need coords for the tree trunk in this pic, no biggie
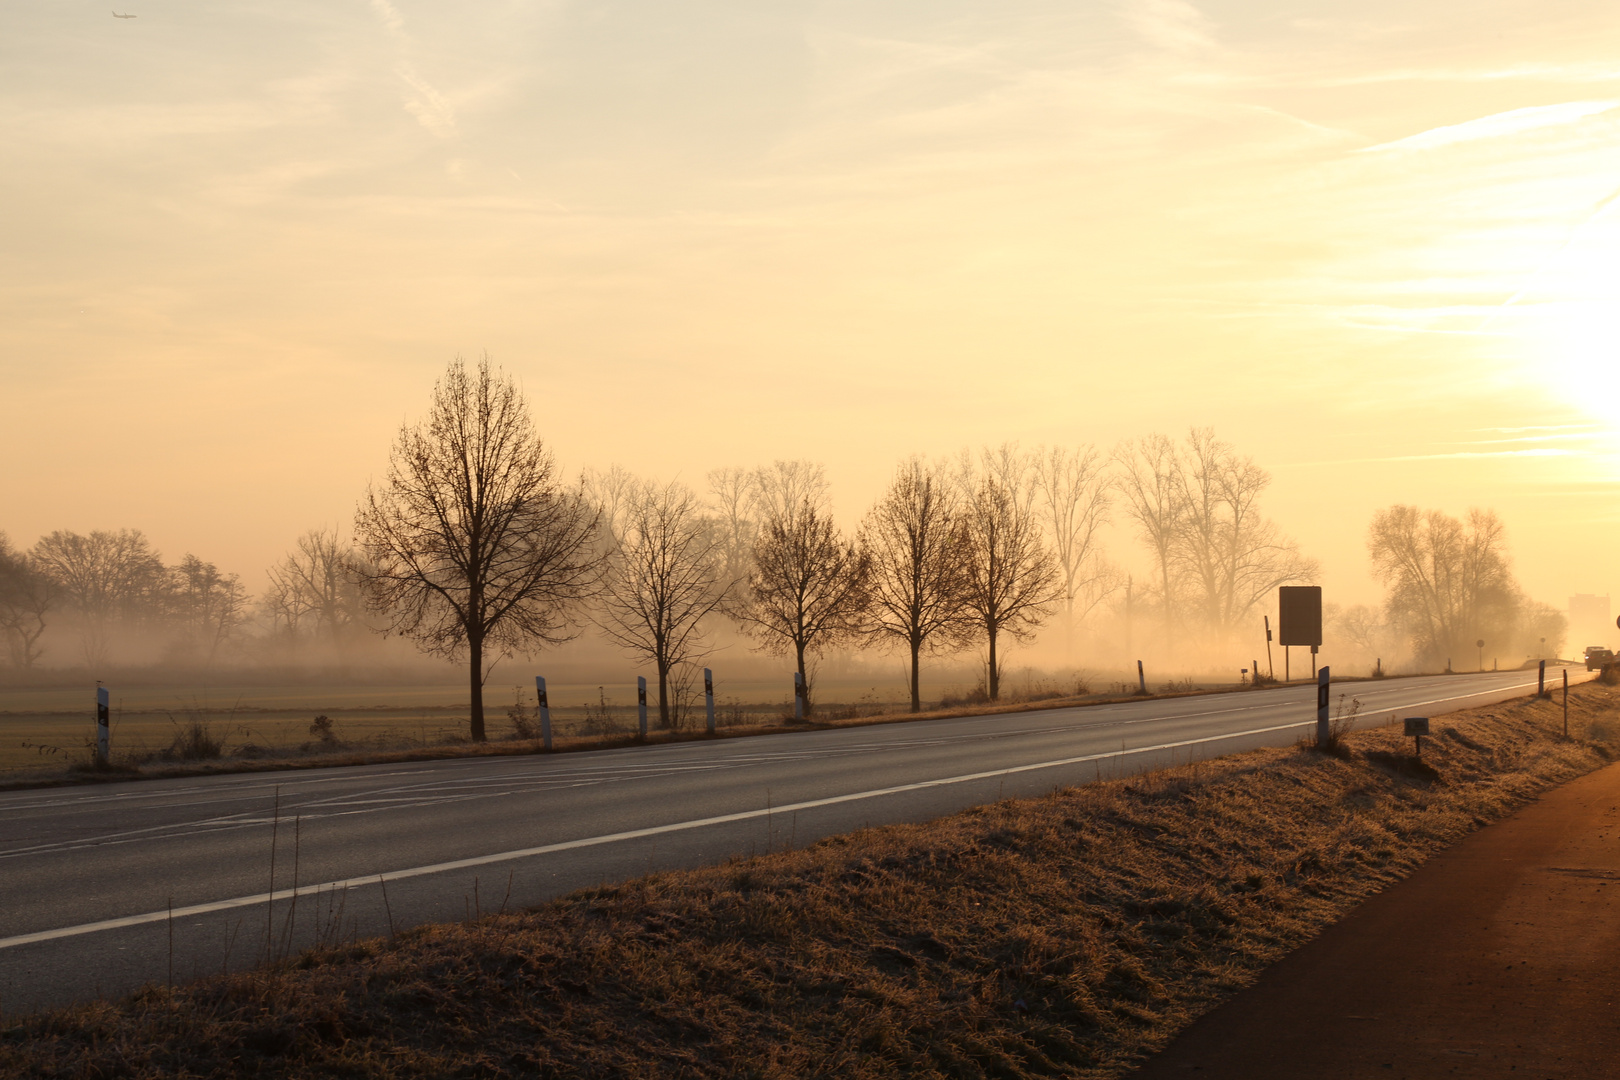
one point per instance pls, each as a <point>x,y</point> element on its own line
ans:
<point>995,672</point>
<point>663,696</point>
<point>804,679</point>
<point>916,696</point>
<point>475,657</point>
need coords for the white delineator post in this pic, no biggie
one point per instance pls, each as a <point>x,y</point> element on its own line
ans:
<point>1322,707</point>
<point>545,711</point>
<point>641,704</point>
<point>103,724</point>
<point>708,697</point>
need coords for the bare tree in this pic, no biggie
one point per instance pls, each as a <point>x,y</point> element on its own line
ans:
<point>319,582</point>
<point>1448,580</point>
<point>206,605</point>
<point>917,546</point>
<point>471,543</point>
<point>107,577</point>
<point>731,500</point>
<point>1073,488</point>
<point>780,489</point>
<point>1149,477</point>
<point>1231,557</point>
<point>808,590</point>
<point>26,597</point>
<point>608,489</point>
<point>663,578</point>
<point>1012,583</point>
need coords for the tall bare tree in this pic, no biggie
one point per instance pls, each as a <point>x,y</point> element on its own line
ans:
<point>1230,555</point>
<point>808,589</point>
<point>1449,581</point>
<point>1149,477</point>
<point>1012,582</point>
<point>26,597</point>
<point>917,545</point>
<point>664,576</point>
<point>471,543</point>
<point>1073,488</point>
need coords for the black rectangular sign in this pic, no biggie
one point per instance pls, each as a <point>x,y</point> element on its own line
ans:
<point>1299,615</point>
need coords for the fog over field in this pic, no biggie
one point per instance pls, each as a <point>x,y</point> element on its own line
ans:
<point>1196,299</point>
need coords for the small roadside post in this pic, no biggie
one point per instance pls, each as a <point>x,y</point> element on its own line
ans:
<point>1566,703</point>
<point>641,705</point>
<point>1271,668</point>
<point>708,697</point>
<point>1141,679</point>
<point>1256,664</point>
<point>545,712</point>
<point>103,724</point>
<point>1416,728</point>
<point>798,696</point>
<point>1322,731</point>
<point>1541,679</point>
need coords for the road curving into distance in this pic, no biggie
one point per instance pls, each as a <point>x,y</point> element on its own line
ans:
<point>106,888</point>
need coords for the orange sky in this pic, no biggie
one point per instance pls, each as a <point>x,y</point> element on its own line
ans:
<point>1377,246</point>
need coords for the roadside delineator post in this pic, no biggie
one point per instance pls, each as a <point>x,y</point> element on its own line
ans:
<point>708,697</point>
<point>1566,703</point>
<point>641,705</point>
<point>1141,678</point>
<point>1322,731</point>
<point>545,712</point>
<point>1541,679</point>
<point>103,724</point>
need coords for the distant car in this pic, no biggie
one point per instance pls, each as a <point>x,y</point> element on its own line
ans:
<point>1597,656</point>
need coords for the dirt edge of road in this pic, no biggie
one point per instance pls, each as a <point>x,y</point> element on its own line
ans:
<point>1074,934</point>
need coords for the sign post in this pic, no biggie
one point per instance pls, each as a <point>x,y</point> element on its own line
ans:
<point>103,725</point>
<point>1299,620</point>
<point>641,704</point>
<point>708,697</point>
<point>1416,728</point>
<point>1322,727</point>
<point>1271,668</point>
<point>545,712</point>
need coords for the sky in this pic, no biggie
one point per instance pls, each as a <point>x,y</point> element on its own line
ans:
<point>1375,246</point>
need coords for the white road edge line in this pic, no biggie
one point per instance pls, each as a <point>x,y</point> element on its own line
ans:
<point>632,834</point>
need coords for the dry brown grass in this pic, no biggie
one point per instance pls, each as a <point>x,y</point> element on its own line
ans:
<point>1067,935</point>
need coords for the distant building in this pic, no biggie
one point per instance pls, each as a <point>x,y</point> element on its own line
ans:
<point>1589,620</point>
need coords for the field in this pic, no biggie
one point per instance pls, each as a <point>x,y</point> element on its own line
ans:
<point>43,731</point>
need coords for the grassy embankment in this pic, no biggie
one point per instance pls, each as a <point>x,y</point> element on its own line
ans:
<point>1066,935</point>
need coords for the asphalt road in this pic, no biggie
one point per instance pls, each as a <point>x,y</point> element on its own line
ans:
<point>106,888</point>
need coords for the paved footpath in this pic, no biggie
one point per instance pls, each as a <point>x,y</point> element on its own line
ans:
<point>1499,957</point>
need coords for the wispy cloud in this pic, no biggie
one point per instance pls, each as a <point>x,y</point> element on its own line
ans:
<point>1174,25</point>
<point>1512,122</point>
<point>424,101</point>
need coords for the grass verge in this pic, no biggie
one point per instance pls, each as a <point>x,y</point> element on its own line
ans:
<point>1067,935</point>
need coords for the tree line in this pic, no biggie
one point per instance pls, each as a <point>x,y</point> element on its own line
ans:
<point>474,546</point>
